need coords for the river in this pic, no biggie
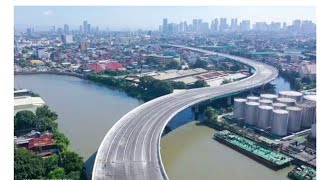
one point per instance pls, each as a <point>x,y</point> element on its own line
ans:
<point>87,111</point>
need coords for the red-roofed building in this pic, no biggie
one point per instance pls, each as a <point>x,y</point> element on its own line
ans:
<point>97,67</point>
<point>43,146</point>
<point>105,64</point>
<point>115,66</point>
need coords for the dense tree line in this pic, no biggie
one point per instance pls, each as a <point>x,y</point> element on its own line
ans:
<point>28,165</point>
<point>147,89</point>
<point>43,119</point>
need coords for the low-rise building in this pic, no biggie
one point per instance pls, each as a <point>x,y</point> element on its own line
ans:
<point>28,103</point>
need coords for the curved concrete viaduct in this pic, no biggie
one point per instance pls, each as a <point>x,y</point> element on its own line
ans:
<point>131,148</point>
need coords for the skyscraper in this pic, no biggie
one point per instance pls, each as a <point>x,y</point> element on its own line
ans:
<point>245,25</point>
<point>85,26</point>
<point>66,29</point>
<point>165,25</point>
<point>223,24</point>
<point>296,24</point>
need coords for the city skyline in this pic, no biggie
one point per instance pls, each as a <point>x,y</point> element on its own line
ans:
<point>136,18</point>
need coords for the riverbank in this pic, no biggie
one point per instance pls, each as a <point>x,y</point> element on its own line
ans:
<point>82,76</point>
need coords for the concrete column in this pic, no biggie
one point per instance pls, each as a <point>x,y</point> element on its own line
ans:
<point>196,111</point>
<point>229,100</point>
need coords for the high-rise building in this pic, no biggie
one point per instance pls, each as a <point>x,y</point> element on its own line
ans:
<point>67,38</point>
<point>245,25</point>
<point>216,24</point>
<point>260,26</point>
<point>66,29</point>
<point>194,25</point>
<point>41,53</point>
<point>85,44</point>
<point>80,29</point>
<point>85,26</point>
<point>296,24</point>
<point>308,27</point>
<point>284,25</point>
<point>223,24</point>
<point>54,29</point>
<point>88,28</point>
<point>165,25</point>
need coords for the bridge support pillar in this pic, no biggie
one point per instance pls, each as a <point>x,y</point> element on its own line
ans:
<point>229,101</point>
<point>196,111</point>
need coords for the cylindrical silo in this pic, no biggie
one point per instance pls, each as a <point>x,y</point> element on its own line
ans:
<point>294,119</point>
<point>239,108</point>
<point>291,94</point>
<point>310,99</point>
<point>308,115</point>
<point>252,99</point>
<point>279,106</point>
<point>265,102</point>
<point>313,131</point>
<point>270,97</point>
<point>279,123</point>
<point>286,101</point>
<point>251,113</point>
<point>264,119</point>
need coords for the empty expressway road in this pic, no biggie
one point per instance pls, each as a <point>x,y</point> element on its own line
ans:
<point>131,148</point>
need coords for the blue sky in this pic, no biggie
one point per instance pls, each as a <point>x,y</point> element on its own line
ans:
<point>145,17</point>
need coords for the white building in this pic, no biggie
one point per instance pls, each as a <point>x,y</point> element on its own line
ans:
<point>28,103</point>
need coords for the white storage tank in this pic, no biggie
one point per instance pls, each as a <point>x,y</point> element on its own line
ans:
<point>291,94</point>
<point>265,115</point>
<point>287,101</point>
<point>270,97</point>
<point>308,115</point>
<point>279,123</point>
<point>265,102</point>
<point>239,108</point>
<point>313,131</point>
<point>252,99</point>
<point>294,119</point>
<point>279,106</point>
<point>251,113</point>
<point>311,99</point>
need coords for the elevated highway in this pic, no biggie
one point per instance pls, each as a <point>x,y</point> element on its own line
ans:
<point>131,148</point>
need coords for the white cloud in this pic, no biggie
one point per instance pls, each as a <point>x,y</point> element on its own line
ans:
<point>47,13</point>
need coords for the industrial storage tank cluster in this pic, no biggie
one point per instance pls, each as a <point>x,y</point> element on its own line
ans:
<point>283,114</point>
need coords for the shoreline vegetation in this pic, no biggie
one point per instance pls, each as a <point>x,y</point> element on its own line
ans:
<point>146,89</point>
<point>64,164</point>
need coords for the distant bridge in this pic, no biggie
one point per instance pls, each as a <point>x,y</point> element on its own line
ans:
<point>131,148</point>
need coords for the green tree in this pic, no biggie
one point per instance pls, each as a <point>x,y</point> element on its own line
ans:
<point>75,175</point>
<point>235,67</point>
<point>199,84</point>
<point>51,163</point>
<point>178,85</point>
<point>71,161</point>
<point>44,111</point>
<point>57,173</point>
<point>226,81</point>
<point>173,65</point>
<point>27,165</point>
<point>211,114</point>
<point>200,64</point>
<point>62,141</point>
<point>25,120</point>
